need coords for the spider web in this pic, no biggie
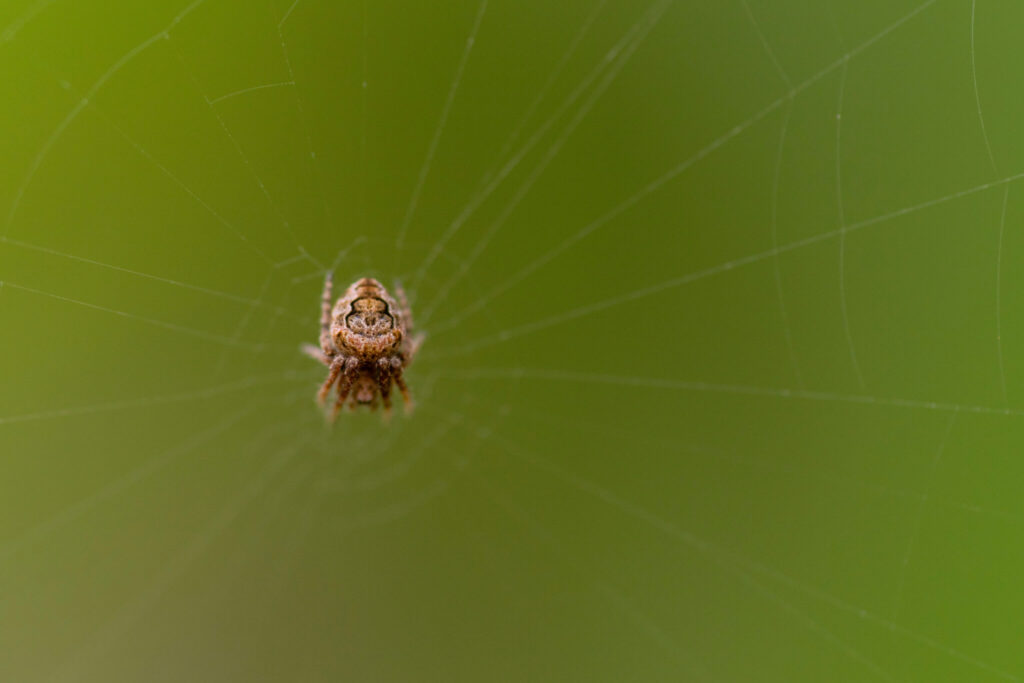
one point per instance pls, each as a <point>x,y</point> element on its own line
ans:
<point>719,380</point>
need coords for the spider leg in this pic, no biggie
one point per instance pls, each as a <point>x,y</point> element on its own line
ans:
<point>405,391</point>
<point>316,354</point>
<point>413,341</point>
<point>336,367</point>
<point>345,385</point>
<point>411,347</point>
<point>403,303</point>
<point>325,315</point>
<point>384,383</point>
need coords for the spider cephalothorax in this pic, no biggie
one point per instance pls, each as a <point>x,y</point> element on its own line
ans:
<point>365,340</point>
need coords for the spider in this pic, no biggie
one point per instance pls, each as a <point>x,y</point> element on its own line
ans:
<point>366,342</point>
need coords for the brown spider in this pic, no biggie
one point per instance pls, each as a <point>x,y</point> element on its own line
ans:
<point>366,342</point>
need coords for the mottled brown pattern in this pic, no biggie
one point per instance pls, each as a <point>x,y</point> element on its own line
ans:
<point>366,342</point>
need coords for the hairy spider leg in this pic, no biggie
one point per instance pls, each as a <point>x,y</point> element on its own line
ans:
<point>325,316</point>
<point>316,354</point>
<point>411,348</point>
<point>384,382</point>
<point>403,304</point>
<point>345,385</point>
<point>405,391</point>
<point>412,340</point>
<point>332,377</point>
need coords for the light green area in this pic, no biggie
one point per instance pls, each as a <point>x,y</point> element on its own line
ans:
<point>723,372</point>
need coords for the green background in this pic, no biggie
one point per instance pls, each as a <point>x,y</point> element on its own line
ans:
<point>722,378</point>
